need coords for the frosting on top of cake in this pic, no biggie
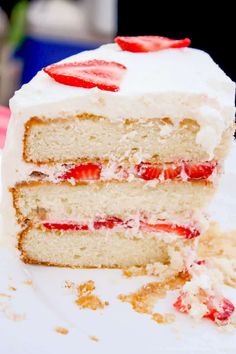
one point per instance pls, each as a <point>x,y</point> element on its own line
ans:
<point>175,83</point>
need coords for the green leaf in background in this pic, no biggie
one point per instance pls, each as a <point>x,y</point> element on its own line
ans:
<point>18,23</point>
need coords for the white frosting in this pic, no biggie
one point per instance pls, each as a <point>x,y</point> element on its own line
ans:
<point>176,83</point>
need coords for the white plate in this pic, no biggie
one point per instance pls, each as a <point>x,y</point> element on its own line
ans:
<point>47,304</point>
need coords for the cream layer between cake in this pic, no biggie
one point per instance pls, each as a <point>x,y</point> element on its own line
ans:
<point>178,84</point>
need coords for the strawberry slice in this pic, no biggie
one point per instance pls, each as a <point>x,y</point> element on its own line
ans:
<point>172,172</point>
<point>105,75</point>
<point>180,305</point>
<point>199,171</point>
<point>109,223</point>
<point>150,43</point>
<point>65,227</point>
<point>170,228</point>
<point>224,309</point>
<point>148,171</point>
<point>88,171</point>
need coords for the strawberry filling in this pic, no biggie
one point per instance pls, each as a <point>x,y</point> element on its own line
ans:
<point>112,222</point>
<point>145,170</point>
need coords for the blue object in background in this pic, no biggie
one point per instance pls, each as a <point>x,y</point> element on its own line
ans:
<point>37,53</point>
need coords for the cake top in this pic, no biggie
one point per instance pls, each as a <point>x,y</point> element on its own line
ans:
<point>175,82</point>
<point>180,71</point>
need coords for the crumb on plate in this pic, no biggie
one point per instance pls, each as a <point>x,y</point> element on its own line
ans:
<point>62,330</point>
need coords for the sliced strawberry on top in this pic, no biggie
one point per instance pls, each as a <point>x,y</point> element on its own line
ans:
<point>105,75</point>
<point>109,222</point>
<point>186,232</point>
<point>148,171</point>
<point>150,43</point>
<point>83,172</point>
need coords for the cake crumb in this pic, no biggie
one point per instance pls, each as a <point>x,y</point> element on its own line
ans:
<point>134,271</point>
<point>69,284</point>
<point>145,298</point>
<point>163,318</point>
<point>62,330</point>
<point>5,308</point>
<point>28,282</point>
<point>5,295</point>
<point>219,248</point>
<point>86,299</point>
<point>94,338</point>
<point>12,288</point>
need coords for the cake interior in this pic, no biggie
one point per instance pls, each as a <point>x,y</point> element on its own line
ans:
<point>109,248</point>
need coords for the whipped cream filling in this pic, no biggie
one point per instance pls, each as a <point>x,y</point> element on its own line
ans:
<point>175,83</point>
<point>113,171</point>
<point>137,227</point>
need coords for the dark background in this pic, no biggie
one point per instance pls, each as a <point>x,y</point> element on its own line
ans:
<point>210,25</point>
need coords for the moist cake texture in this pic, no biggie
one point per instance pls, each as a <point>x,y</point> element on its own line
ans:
<point>116,175</point>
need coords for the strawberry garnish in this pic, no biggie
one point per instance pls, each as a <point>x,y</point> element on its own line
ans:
<point>105,75</point>
<point>88,171</point>
<point>150,43</point>
<point>217,309</point>
<point>65,227</point>
<point>148,171</point>
<point>199,171</point>
<point>108,223</point>
<point>186,232</point>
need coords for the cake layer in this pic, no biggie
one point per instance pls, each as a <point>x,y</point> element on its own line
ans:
<point>96,249</point>
<point>91,138</point>
<point>86,201</point>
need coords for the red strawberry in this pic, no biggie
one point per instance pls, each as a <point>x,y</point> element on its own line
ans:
<point>201,262</point>
<point>224,310</point>
<point>172,172</point>
<point>150,43</point>
<point>148,171</point>
<point>109,223</point>
<point>171,228</point>
<point>199,171</point>
<point>88,171</point>
<point>180,305</point>
<point>65,227</point>
<point>106,75</point>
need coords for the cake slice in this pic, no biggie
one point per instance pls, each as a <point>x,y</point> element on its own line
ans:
<point>113,155</point>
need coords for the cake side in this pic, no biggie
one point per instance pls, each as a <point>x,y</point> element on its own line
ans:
<point>118,155</point>
<point>100,248</point>
<point>173,98</point>
<point>92,138</point>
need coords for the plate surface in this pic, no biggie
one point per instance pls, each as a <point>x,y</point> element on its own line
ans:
<point>29,316</point>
